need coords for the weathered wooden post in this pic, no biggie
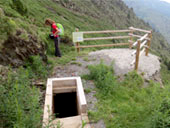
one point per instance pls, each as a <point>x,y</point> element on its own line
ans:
<point>77,43</point>
<point>137,55</point>
<point>131,37</point>
<point>148,43</point>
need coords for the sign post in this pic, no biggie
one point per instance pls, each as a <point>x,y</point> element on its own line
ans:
<point>77,37</point>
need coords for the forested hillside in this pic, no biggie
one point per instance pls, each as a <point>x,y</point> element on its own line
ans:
<point>155,12</point>
<point>27,53</point>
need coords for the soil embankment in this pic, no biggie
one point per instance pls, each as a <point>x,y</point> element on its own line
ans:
<point>16,50</point>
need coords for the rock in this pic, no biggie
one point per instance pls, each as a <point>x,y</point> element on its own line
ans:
<point>148,65</point>
<point>99,124</point>
<point>1,12</point>
<point>38,83</point>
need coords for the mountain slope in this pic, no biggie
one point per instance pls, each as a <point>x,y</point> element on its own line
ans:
<point>104,15</point>
<point>155,12</point>
<point>85,15</point>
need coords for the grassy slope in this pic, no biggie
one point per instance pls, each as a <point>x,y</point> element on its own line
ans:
<point>91,17</point>
<point>127,104</point>
<point>85,15</point>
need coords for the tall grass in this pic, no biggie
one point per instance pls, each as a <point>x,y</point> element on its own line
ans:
<point>19,98</point>
<point>19,101</point>
<point>128,104</point>
<point>37,68</point>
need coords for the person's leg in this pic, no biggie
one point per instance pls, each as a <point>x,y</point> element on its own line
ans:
<point>57,50</point>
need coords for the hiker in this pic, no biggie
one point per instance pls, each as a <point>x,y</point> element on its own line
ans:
<point>55,35</point>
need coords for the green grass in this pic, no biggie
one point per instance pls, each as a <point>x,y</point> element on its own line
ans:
<point>120,104</point>
<point>66,58</point>
<point>19,101</point>
<point>76,63</point>
<point>165,74</point>
<point>86,59</point>
<point>37,68</point>
<point>128,104</point>
<point>19,98</point>
<point>32,22</point>
<point>87,90</point>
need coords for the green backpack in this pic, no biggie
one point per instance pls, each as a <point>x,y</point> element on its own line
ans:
<point>61,29</point>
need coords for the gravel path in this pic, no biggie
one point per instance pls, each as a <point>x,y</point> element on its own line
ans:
<point>77,70</point>
<point>121,57</point>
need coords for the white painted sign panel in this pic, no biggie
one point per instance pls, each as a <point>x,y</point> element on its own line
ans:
<point>78,37</point>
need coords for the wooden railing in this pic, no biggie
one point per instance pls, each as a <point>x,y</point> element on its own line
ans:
<point>82,39</point>
<point>142,43</point>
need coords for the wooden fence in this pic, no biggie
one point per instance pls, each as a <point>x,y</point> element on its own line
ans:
<point>142,43</point>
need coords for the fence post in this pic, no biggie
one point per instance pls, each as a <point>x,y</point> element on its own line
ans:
<point>77,43</point>
<point>131,38</point>
<point>137,55</point>
<point>148,43</point>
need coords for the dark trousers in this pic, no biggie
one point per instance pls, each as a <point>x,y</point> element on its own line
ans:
<point>57,50</point>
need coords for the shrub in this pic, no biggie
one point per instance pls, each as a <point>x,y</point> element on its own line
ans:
<point>67,40</point>
<point>36,67</point>
<point>19,102</point>
<point>11,26</point>
<point>161,114</point>
<point>103,75</point>
<point>132,79</point>
<point>8,26</point>
<point>50,47</point>
<point>19,6</point>
<point>97,72</point>
<point>128,104</point>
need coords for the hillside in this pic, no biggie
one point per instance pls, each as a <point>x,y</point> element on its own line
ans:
<point>85,15</point>
<point>155,12</point>
<point>27,56</point>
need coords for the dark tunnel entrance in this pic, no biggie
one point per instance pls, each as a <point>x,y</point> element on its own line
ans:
<point>65,105</point>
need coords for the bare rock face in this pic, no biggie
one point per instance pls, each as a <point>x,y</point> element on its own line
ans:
<point>16,50</point>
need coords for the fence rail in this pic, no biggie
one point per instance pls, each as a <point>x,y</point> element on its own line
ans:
<point>107,38</point>
<point>106,31</point>
<point>140,30</point>
<point>141,48</point>
<point>142,44</point>
<point>102,45</point>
